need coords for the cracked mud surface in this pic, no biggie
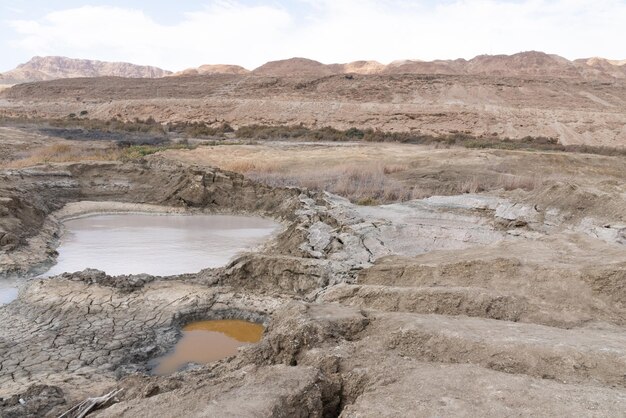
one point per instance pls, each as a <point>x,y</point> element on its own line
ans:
<point>469,305</point>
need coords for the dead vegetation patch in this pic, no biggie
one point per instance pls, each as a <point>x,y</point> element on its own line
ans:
<point>367,174</point>
<point>361,184</point>
<point>65,152</point>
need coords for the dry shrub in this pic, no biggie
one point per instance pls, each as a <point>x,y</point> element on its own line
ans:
<point>394,168</point>
<point>513,182</point>
<point>508,182</point>
<point>471,185</point>
<point>240,166</point>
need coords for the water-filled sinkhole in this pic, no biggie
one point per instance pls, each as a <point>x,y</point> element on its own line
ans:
<point>207,341</point>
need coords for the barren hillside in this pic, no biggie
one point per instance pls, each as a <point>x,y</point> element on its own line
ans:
<point>573,110</point>
<point>213,69</point>
<point>50,68</point>
<point>523,64</point>
<point>526,94</point>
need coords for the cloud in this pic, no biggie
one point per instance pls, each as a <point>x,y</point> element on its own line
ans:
<point>330,31</point>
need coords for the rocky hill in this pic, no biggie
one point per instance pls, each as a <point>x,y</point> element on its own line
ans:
<point>213,69</point>
<point>524,64</point>
<point>295,67</point>
<point>50,68</point>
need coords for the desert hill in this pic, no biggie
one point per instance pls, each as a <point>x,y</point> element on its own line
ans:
<point>358,67</point>
<point>50,68</point>
<point>213,69</point>
<point>523,64</point>
<point>531,63</point>
<point>294,67</point>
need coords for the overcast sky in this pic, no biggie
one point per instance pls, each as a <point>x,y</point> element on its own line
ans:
<point>187,33</point>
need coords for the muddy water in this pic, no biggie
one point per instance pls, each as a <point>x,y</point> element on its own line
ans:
<point>157,245</point>
<point>207,341</point>
<point>8,290</point>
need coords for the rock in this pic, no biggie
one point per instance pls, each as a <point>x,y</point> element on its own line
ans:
<point>35,402</point>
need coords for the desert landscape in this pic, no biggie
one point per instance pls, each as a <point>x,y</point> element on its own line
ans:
<point>527,94</point>
<point>299,239</point>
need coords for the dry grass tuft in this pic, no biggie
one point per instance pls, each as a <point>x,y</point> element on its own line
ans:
<point>471,185</point>
<point>508,182</point>
<point>512,182</point>
<point>245,166</point>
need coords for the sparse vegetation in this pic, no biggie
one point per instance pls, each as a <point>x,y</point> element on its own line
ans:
<point>117,125</point>
<point>219,130</point>
<point>134,152</point>
<point>263,132</point>
<point>199,129</point>
<point>374,174</point>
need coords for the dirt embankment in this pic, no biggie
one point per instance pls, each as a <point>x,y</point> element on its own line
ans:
<point>572,110</point>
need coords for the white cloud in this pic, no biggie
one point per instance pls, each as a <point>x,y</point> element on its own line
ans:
<point>332,31</point>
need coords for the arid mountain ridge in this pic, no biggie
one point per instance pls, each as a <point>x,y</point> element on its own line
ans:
<point>51,68</point>
<point>532,63</point>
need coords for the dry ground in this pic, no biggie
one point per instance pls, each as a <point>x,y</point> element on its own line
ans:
<point>372,173</point>
<point>24,148</point>
<point>501,294</point>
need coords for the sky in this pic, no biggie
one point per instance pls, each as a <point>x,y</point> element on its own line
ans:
<point>180,34</point>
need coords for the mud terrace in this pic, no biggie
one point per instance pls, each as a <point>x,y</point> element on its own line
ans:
<point>468,305</point>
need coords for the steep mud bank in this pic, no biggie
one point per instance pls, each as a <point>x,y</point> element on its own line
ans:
<point>442,293</point>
